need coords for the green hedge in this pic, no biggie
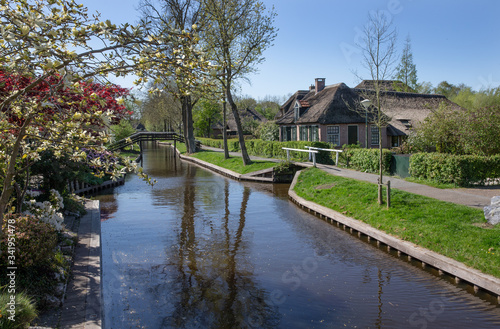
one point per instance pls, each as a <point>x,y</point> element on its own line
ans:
<point>462,170</point>
<point>232,144</point>
<point>366,160</point>
<point>270,149</point>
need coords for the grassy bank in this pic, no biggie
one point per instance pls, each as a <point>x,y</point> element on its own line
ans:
<point>233,163</point>
<point>452,230</point>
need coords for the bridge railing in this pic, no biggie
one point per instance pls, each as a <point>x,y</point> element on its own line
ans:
<point>311,152</point>
<point>143,137</point>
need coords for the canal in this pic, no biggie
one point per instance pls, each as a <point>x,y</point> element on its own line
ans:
<point>199,250</point>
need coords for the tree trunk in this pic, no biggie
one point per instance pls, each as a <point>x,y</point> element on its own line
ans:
<point>187,120</point>
<point>8,187</point>
<point>224,131</point>
<point>381,182</point>
<point>234,109</point>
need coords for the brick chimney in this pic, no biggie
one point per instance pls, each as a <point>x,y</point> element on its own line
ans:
<point>320,84</point>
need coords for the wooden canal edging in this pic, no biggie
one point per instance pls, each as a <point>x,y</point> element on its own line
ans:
<point>84,188</point>
<point>254,177</point>
<point>443,264</point>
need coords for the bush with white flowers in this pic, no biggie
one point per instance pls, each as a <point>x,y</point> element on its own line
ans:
<point>47,211</point>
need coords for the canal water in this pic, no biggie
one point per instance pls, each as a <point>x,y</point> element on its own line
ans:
<point>199,250</point>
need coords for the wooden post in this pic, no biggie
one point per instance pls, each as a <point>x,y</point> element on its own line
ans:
<point>288,155</point>
<point>337,158</point>
<point>314,159</point>
<point>388,194</point>
<point>175,146</point>
<point>380,198</point>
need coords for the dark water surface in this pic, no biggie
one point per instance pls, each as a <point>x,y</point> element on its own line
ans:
<point>202,251</point>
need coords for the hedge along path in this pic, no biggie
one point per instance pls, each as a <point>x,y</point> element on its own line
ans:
<point>444,235</point>
<point>462,170</point>
<point>268,149</point>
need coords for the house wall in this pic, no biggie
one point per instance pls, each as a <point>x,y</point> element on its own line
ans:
<point>343,138</point>
<point>343,134</point>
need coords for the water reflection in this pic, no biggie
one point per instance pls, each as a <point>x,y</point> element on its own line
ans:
<point>202,251</point>
<point>213,285</point>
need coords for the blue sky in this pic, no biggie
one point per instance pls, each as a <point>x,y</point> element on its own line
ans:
<point>456,41</point>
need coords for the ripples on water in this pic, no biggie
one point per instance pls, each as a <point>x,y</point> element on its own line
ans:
<point>202,251</point>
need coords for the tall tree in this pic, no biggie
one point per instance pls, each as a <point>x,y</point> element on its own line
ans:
<point>379,49</point>
<point>406,71</point>
<point>236,34</point>
<point>447,89</point>
<point>165,15</point>
<point>161,111</point>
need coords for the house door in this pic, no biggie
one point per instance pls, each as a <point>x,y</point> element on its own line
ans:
<point>352,135</point>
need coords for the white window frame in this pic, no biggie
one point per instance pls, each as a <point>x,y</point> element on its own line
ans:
<point>330,136</point>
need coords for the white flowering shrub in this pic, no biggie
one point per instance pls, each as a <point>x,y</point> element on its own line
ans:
<point>47,211</point>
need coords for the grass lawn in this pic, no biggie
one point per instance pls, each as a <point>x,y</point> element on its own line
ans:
<point>233,163</point>
<point>440,226</point>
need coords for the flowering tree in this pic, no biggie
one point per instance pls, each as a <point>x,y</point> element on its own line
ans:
<point>184,82</point>
<point>48,55</point>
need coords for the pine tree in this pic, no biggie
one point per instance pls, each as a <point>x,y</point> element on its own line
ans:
<point>406,71</point>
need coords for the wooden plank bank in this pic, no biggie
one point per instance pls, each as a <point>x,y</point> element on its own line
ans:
<point>445,266</point>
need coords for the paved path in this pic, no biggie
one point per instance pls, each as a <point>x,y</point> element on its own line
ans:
<point>473,197</point>
<point>82,306</point>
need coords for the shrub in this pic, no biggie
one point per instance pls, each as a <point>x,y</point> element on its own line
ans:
<point>34,240</point>
<point>25,310</point>
<point>366,160</point>
<point>462,170</point>
<point>47,211</point>
<point>268,131</point>
<point>122,130</point>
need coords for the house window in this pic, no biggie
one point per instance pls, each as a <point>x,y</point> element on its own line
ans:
<point>395,141</point>
<point>304,133</point>
<point>333,135</point>
<point>314,134</point>
<point>375,135</point>
<point>288,133</point>
<point>296,110</point>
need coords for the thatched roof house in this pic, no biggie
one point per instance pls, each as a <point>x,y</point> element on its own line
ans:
<point>246,116</point>
<point>334,114</point>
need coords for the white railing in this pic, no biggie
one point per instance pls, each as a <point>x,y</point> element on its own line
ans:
<point>313,152</point>
<point>330,150</point>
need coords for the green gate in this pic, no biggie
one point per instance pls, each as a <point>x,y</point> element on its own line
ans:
<point>400,165</point>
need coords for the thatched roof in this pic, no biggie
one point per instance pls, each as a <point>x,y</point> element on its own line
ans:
<point>385,85</point>
<point>336,104</point>
<point>244,115</point>
<point>333,104</point>
<point>407,110</point>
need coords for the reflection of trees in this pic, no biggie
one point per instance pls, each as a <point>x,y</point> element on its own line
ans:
<point>213,284</point>
<point>108,205</point>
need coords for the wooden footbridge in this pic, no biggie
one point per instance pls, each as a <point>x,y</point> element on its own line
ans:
<point>146,136</point>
